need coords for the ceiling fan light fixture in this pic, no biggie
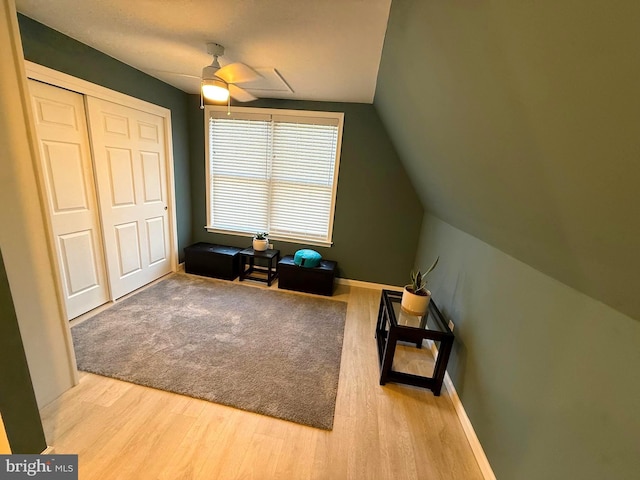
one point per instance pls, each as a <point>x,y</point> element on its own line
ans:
<point>215,90</point>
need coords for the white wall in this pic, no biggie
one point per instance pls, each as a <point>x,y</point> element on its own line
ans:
<point>547,375</point>
<point>23,236</point>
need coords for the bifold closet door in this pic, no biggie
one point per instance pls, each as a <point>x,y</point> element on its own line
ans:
<point>130,169</point>
<point>69,187</point>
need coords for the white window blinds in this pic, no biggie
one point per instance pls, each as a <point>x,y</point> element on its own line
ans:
<point>274,173</point>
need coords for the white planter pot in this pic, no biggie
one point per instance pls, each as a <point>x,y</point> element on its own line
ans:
<point>415,304</point>
<point>260,245</point>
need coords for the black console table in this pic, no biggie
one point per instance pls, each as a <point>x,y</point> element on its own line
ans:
<point>394,325</point>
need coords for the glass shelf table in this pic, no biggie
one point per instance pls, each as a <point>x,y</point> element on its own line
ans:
<point>395,326</point>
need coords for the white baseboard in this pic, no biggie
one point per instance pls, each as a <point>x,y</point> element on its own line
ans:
<point>361,284</point>
<point>476,447</point>
<point>48,451</point>
<point>470,433</point>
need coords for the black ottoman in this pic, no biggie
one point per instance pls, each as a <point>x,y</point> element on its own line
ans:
<point>317,280</point>
<point>212,260</point>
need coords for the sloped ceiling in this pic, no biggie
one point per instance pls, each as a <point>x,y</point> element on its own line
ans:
<point>326,50</point>
<point>519,123</point>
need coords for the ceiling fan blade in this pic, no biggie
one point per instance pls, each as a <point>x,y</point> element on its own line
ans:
<point>238,73</point>
<point>240,94</point>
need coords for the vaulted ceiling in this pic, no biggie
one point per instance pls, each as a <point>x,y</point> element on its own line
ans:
<point>325,50</point>
<point>519,123</point>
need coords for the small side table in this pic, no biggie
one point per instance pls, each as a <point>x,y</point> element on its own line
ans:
<point>412,329</point>
<point>267,272</point>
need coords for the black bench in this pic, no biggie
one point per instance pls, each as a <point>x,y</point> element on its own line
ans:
<point>212,260</point>
<point>317,280</point>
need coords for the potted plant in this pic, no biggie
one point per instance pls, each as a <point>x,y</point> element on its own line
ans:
<point>415,297</point>
<point>260,241</point>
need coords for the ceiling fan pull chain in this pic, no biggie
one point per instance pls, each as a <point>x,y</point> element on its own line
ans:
<point>201,99</point>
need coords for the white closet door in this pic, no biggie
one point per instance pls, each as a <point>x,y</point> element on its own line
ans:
<point>129,158</point>
<point>67,169</point>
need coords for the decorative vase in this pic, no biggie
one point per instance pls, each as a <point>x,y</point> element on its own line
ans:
<point>415,304</point>
<point>260,245</point>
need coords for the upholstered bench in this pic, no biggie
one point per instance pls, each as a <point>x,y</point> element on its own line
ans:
<point>317,280</point>
<point>212,260</point>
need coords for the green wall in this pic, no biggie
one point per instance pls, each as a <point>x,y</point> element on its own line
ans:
<point>378,214</point>
<point>52,49</point>
<point>518,123</point>
<point>17,400</point>
<point>547,375</point>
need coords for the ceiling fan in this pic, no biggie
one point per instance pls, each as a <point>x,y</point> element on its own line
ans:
<point>219,83</point>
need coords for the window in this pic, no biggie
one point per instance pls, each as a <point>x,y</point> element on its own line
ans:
<point>274,171</point>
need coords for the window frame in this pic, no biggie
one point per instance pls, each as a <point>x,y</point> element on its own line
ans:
<point>337,116</point>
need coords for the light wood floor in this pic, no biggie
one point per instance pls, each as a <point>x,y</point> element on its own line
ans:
<point>125,431</point>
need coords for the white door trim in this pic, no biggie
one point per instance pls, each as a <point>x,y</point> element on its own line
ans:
<point>60,79</point>
<point>28,253</point>
<point>63,80</point>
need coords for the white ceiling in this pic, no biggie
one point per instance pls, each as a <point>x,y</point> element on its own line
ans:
<point>326,50</point>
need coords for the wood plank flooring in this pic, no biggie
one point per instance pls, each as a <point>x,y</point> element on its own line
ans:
<point>125,431</point>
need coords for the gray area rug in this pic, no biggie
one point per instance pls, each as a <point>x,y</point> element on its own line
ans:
<point>265,351</point>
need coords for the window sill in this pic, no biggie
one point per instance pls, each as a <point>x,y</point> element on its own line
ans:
<point>299,241</point>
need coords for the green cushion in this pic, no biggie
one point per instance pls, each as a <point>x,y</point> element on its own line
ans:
<point>307,258</point>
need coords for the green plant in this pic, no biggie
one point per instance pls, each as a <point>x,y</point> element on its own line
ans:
<point>261,236</point>
<point>419,279</point>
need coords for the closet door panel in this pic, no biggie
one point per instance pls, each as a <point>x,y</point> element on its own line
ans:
<point>69,189</point>
<point>130,162</point>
